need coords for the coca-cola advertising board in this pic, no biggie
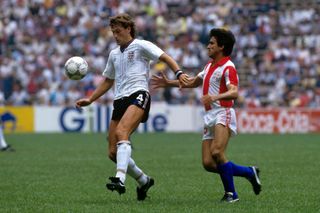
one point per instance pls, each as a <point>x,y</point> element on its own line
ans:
<point>278,120</point>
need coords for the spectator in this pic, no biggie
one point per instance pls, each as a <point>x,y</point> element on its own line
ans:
<point>278,43</point>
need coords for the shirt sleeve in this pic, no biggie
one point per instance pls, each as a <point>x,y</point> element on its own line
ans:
<point>231,76</point>
<point>202,73</point>
<point>109,69</point>
<point>150,50</point>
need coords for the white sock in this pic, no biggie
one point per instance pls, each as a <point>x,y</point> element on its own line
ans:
<point>135,172</point>
<point>2,140</point>
<point>123,156</point>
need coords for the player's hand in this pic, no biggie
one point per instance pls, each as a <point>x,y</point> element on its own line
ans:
<point>208,99</point>
<point>83,102</point>
<point>159,81</point>
<point>183,80</point>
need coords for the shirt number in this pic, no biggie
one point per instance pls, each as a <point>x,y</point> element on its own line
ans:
<point>140,98</point>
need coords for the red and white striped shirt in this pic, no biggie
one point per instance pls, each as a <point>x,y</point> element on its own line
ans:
<point>215,80</point>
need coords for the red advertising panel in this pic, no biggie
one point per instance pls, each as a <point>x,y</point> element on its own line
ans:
<point>278,120</point>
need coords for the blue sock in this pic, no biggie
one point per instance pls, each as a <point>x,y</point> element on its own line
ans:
<point>241,171</point>
<point>226,175</point>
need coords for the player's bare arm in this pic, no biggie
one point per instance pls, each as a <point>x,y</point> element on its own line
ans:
<point>232,93</point>
<point>103,87</point>
<point>193,82</point>
<point>162,81</point>
<point>183,78</point>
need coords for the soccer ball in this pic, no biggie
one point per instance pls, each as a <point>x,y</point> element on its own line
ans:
<point>76,68</point>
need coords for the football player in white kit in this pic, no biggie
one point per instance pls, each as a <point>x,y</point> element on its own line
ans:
<point>127,69</point>
<point>219,80</point>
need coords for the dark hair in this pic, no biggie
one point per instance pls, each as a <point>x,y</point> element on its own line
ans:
<point>125,21</point>
<point>224,38</point>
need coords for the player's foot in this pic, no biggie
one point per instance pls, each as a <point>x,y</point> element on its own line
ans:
<point>116,184</point>
<point>8,148</point>
<point>142,191</point>
<point>255,180</point>
<point>230,197</point>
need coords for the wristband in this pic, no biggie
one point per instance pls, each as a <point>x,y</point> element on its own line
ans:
<point>178,73</point>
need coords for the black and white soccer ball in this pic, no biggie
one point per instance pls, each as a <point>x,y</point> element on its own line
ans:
<point>76,68</point>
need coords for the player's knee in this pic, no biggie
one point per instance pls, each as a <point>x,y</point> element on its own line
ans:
<point>209,166</point>
<point>217,155</point>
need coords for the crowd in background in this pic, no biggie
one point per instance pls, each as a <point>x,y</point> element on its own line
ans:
<point>277,53</point>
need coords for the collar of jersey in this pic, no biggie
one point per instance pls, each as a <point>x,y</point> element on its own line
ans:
<point>123,48</point>
<point>222,61</point>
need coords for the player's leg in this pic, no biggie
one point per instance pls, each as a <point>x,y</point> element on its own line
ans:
<point>207,161</point>
<point>123,151</point>
<point>251,173</point>
<point>129,122</point>
<point>224,167</point>
<point>131,111</point>
<point>116,183</point>
<point>3,145</point>
<point>133,170</point>
<point>119,108</point>
<point>144,181</point>
<point>112,140</point>
<point>120,133</point>
<point>136,173</point>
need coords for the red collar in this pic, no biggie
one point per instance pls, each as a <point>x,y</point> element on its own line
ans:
<point>222,61</point>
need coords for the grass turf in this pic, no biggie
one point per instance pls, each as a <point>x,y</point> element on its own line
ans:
<point>68,172</point>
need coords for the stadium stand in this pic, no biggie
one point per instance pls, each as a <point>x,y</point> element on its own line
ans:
<point>277,52</point>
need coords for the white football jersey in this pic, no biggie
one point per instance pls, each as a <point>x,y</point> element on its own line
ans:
<point>130,68</point>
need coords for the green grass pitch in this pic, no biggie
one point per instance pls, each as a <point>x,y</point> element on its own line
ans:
<point>68,172</point>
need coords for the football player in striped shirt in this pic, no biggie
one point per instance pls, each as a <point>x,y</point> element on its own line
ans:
<point>219,80</point>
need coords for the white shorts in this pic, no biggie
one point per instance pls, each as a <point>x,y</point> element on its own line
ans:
<point>224,116</point>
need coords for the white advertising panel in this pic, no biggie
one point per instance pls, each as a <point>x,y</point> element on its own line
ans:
<point>71,119</point>
<point>162,118</point>
<point>176,118</point>
<point>170,118</point>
